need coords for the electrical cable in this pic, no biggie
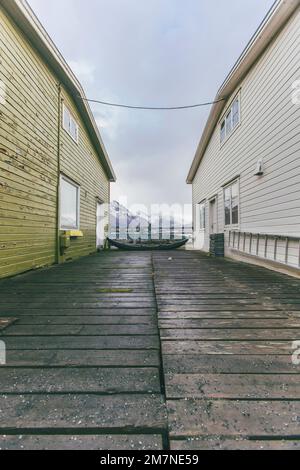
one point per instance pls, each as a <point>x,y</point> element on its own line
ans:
<point>152,108</point>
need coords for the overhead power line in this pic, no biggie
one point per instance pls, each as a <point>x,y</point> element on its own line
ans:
<point>151,108</point>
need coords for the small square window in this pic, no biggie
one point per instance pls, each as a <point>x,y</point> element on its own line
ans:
<point>69,124</point>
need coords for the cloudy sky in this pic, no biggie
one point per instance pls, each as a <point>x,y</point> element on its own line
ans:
<point>151,52</point>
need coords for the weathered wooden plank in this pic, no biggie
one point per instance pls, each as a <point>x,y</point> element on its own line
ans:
<point>234,364</point>
<point>81,305</point>
<point>231,334</point>
<point>78,380</point>
<point>76,342</point>
<point>226,323</point>
<point>201,417</point>
<point>70,311</point>
<point>87,320</point>
<point>106,412</point>
<point>79,442</point>
<point>227,347</point>
<point>233,386</point>
<point>193,300</point>
<point>233,444</point>
<point>195,307</point>
<point>202,315</point>
<point>80,330</point>
<point>72,299</point>
<point>83,357</point>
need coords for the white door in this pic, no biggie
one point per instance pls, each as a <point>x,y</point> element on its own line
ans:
<point>100,234</point>
<point>213,221</point>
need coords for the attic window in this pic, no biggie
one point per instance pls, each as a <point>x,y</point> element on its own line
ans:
<point>69,124</point>
<point>231,120</point>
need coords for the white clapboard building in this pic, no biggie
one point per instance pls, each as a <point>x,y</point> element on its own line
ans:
<point>246,171</point>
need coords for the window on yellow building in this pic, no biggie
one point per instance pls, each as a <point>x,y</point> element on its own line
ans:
<point>69,204</point>
<point>69,123</point>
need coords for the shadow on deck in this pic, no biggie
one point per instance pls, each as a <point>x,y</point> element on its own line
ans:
<point>87,366</point>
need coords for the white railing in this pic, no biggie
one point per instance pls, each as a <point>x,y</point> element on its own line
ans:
<point>279,248</point>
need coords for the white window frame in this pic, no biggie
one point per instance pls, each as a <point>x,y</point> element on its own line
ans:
<point>71,182</point>
<point>72,120</point>
<point>202,206</point>
<point>223,121</point>
<point>227,186</point>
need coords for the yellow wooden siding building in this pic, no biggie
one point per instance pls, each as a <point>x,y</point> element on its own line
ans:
<point>36,150</point>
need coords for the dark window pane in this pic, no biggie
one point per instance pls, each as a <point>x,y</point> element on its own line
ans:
<point>235,211</point>
<point>235,113</point>
<point>227,212</point>
<point>229,123</point>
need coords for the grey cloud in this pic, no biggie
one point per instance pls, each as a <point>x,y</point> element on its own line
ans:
<point>154,52</point>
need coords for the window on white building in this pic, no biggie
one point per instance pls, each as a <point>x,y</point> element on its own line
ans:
<point>231,203</point>
<point>69,123</point>
<point>69,204</point>
<point>235,113</point>
<point>231,120</point>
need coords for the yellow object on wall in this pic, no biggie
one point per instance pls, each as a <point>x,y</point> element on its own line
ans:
<point>74,233</point>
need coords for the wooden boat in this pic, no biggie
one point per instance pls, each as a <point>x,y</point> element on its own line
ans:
<point>147,245</point>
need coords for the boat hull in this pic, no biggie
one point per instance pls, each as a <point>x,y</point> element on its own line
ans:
<point>148,246</point>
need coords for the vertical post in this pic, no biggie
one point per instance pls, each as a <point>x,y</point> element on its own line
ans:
<point>250,243</point>
<point>239,241</point>
<point>118,224</point>
<point>257,245</point>
<point>244,242</point>
<point>172,234</point>
<point>127,226</point>
<point>149,228</point>
<point>229,238</point>
<point>160,226</point>
<point>266,245</point>
<point>275,248</point>
<point>286,256</point>
<point>139,225</point>
<point>59,117</point>
<point>182,230</point>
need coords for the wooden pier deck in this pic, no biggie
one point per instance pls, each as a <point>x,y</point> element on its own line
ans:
<point>150,351</point>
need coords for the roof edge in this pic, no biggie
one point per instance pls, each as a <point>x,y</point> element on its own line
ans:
<point>27,21</point>
<point>275,20</point>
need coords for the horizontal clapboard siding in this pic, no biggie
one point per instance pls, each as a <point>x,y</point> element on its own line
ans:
<point>28,155</point>
<point>269,130</point>
<point>80,163</point>
<point>29,140</point>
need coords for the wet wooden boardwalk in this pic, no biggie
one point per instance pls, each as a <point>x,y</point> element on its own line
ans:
<point>83,360</point>
<point>227,330</point>
<point>88,367</point>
